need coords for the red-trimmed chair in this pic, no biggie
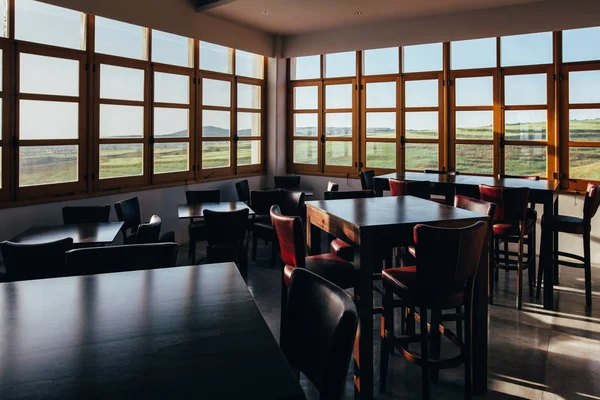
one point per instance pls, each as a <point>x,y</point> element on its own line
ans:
<point>421,189</point>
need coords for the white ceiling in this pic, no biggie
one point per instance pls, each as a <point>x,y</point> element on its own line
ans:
<point>292,17</point>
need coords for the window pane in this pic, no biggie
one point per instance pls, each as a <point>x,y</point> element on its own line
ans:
<point>216,58</point>
<point>248,96</point>
<point>468,54</point>
<point>306,124</point>
<point>119,38</point>
<point>171,157</point>
<point>216,123</point>
<point>422,58</point>
<point>4,17</point>
<point>306,98</point>
<point>525,125</point>
<point>306,67</point>
<point>216,93</point>
<point>421,156</point>
<point>474,91</point>
<point>248,124</point>
<point>340,64</point>
<point>421,125</point>
<point>121,122</point>
<point>61,122</point>
<point>338,153</point>
<point>48,75</point>
<point>381,61</point>
<point>581,44</point>
<point>1,66</point>
<point>421,93</point>
<point>584,125</point>
<point>171,122</point>
<point>530,49</point>
<point>45,165</point>
<point>525,160</point>
<point>584,163</point>
<point>381,95</point>
<point>248,64</point>
<point>338,124</point>
<point>121,160</point>
<point>338,96</point>
<point>121,83</point>
<point>525,89</point>
<point>584,87</point>
<point>248,152</point>
<point>215,155</point>
<point>47,24</point>
<point>381,155</point>
<point>381,125</point>
<point>306,152</point>
<point>171,88</point>
<point>474,158</point>
<point>170,49</point>
<point>474,125</point>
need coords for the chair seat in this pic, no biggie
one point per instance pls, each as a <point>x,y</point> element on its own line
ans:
<point>328,266</point>
<point>506,230</point>
<point>568,224</point>
<point>165,237</point>
<point>342,250</point>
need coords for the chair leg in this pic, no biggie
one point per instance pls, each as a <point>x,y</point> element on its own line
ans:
<point>497,254</point>
<point>587,267</point>
<point>555,259</point>
<point>387,328</point>
<point>491,270</point>
<point>506,256</point>
<point>520,275</point>
<point>254,246</point>
<point>531,261</point>
<point>424,354</point>
<point>435,342</point>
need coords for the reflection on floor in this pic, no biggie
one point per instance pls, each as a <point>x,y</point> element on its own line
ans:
<point>533,354</point>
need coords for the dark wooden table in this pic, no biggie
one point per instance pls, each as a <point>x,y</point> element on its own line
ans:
<point>185,332</point>
<point>377,225</point>
<point>186,211</point>
<point>89,233</point>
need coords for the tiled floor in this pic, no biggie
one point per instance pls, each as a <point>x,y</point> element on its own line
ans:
<point>533,353</point>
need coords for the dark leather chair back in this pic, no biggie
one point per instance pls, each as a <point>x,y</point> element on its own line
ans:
<point>128,211</point>
<point>226,235</point>
<point>591,202</point>
<point>319,333</point>
<point>287,182</point>
<point>290,235</point>
<point>291,203</point>
<point>528,177</point>
<point>262,200</point>
<point>349,194</point>
<point>478,206</point>
<point>99,260</point>
<point>35,261</point>
<point>435,171</point>
<point>366,179</point>
<point>87,214</point>
<point>243,191</point>
<point>202,196</point>
<point>332,186</point>
<point>511,203</point>
<point>419,189</point>
<point>149,232</point>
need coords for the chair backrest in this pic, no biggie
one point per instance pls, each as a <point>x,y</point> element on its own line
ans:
<point>349,194</point>
<point>332,186</point>
<point>290,235</point>
<point>128,211</point>
<point>202,196</point>
<point>226,235</point>
<point>99,260</point>
<point>478,206</point>
<point>319,333</point>
<point>421,189</point>
<point>366,179</point>
<point>528,177</point>
<point>35,261</point>
<point>591,202</point>
<point>85,214</point>
<point>287,182</point>
<point>149,232</point>
<point>435,171</point>
<point>243,191</point>
<point>262,200</point>
<point>511,203</point>
<point>291,203</point>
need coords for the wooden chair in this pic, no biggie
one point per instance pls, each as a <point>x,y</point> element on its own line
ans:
<point>243,191</point>
<point>128,211</point>
<point>366,179</point>
<point>287,182</point>
<point>35,261</point>
<point>85,214</point>
<point>421,189</point>
<point>332,186</point>
<point>197,230</point>
<point>227,238</point>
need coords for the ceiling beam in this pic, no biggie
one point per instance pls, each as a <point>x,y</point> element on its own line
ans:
<point>203,5</point>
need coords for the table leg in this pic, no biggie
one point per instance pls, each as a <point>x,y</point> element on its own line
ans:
<point>546,253</point>
<point>313,238</point>
<point>480,325</point>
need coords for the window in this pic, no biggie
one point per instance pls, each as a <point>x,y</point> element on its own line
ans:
<point>216,117</point>
<point>472,54</point>
<point>216,58</point>
<point>120,39</point>
<point>249,125</point>
<point>248,64</point>
<point>381,61</point>
<point>172,49</point>
<point>581,45</point>
<point>340,64</point>
<point>306,126</point>
<point>422,58</point>
<point>305,68</point>
<point>530,49</point>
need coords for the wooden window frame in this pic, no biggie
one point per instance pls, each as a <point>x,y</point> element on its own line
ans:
<point>305,168</point>
<point>6,141</point>
<point>251,168</point>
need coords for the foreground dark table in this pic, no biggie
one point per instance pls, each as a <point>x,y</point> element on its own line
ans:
<point>89,233</point>
<point>376,225</point>
<point>186,211</point>
<point>185,332</point>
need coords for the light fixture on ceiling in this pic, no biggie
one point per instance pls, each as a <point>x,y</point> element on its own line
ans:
<point>265,12</point>
<point>358,13</point>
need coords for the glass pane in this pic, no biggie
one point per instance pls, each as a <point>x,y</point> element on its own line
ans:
<point>381,61</point>
<point>584,163</point>
<point>306,152</point>
<point>306,67</point>
<point>248,152</point>
<point>306,98</point>
<point>121,83</point>
<point>469,54</point>
<point>119,38</point>
<point>338,124</point>
<point>216,123</point>
<point>530,49</point>
<point>474,125</point>
<point>1,66</point>
<point>381,155</point>
<point>48,75</point>
<point>421,156</point>
<point>338,153</point>
<point>248,64</point>
<point>525,125</point>
<point>306,124</point>
<point>48,120</point>
<point>338,96</point>
<point>248,96</point>
<point>171,122</point>
<point>46,165</point>
<point>525,160</point>
<point>216,93</point>
<point>216,58</point>
<point>121,160</point>
<point>474,91</point>
<point>584,125</point>
<point>121,122</point>
<point>381,95</point>
<point>47,24</point>
<point>171,157</point>
<point>525,89</point>
<point>340,64</point>
<point>215,155</point>
<point>4,17</point>
<point>170,49</point>
<point>171,88</point>
<point>422,58</point>
<point>474,158</point>
<point>581,44</point>
<point>421,93</point>
<point>421,125</point>
<point>584,87</point>
<point>248,124</point>
<point>381,125</point>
